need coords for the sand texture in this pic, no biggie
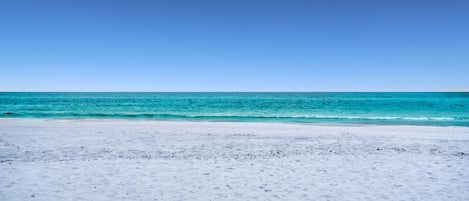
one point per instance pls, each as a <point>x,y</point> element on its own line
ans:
<point>156,160</point>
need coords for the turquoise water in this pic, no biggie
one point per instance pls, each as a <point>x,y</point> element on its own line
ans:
<point>361,108</point>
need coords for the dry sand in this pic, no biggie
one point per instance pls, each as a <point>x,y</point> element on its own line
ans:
<point>155,160</point>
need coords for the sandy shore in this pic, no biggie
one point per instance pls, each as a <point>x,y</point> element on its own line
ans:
<point>152,160</point>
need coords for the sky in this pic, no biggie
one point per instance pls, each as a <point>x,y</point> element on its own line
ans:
<point>234,45</point>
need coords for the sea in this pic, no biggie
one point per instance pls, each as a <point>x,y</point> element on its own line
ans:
<point>390,108</point>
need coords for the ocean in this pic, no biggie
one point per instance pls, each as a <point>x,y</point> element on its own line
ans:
<point>440,109</point>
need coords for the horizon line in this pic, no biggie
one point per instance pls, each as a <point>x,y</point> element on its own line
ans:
<point>449,91</point>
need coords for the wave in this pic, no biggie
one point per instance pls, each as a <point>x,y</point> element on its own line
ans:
<point>231,116</point>
<point>322,117</point>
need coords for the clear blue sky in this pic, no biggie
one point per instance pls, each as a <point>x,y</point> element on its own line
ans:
<point>224,45</point>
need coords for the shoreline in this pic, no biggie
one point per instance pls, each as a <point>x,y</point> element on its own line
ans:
<point>324,124</point>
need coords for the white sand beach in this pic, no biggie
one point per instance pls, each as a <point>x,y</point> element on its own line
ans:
<point>156,160</point>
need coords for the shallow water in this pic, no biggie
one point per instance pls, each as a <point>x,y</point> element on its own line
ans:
<point>450,109</point>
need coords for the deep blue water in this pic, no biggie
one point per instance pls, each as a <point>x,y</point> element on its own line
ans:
<point>361,108</point>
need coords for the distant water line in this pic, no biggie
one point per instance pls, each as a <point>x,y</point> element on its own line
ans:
<point>441,109</point>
